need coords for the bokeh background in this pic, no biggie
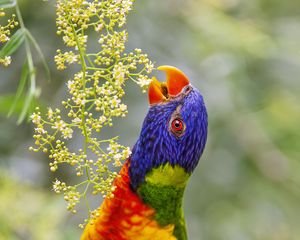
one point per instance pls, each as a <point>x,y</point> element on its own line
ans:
<point>244,56</point>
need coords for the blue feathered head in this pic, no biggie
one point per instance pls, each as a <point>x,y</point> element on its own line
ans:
<point>174,130</point>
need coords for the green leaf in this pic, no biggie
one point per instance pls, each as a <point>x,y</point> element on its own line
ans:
<point>25,110</point>
<point>5,103</point>
<point>20,90</point>
<point>7,100</point>
<point>30,96</point>
<point>40,53</point>
<point>7,3</point>
<point>14,43</point>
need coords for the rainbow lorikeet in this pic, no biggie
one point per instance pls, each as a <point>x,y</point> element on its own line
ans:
<point>147,202</point>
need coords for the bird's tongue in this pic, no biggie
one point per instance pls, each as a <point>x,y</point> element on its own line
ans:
<point>160,92</point>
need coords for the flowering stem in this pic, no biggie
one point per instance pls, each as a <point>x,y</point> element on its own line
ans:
<point>96,93</point>
<point>83,64</point>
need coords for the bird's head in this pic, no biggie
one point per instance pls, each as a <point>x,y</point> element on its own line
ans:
<point>174,130</point>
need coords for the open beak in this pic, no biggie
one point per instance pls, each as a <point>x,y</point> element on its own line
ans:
<point>161,91</point>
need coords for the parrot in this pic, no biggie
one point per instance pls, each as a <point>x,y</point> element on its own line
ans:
<point>147,202</point>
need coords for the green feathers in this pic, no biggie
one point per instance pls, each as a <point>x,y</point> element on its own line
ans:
<point>163,190</point>
<point>166,175</point>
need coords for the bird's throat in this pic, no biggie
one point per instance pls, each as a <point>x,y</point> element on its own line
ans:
<point>163,190</point>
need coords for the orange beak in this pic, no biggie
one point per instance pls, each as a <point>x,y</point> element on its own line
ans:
<point>161,92</point>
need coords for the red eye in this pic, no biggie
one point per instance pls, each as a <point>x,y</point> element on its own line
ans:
<point>177,126</point>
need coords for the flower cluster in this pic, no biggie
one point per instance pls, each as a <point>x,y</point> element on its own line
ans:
<point>5,61</point>
<point>94,95</point>
<point>5,32</point>
<point>62,58</point>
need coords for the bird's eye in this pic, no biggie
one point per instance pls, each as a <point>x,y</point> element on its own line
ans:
<point>177,126</point>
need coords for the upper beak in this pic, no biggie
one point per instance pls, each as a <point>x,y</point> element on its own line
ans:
<point>176,80</point>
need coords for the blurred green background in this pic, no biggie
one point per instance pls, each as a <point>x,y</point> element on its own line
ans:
<point>244,56</point>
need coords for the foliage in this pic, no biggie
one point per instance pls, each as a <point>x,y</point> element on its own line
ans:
<point>18,222</point>
<point>28,75</point>
<point>95,96</point>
